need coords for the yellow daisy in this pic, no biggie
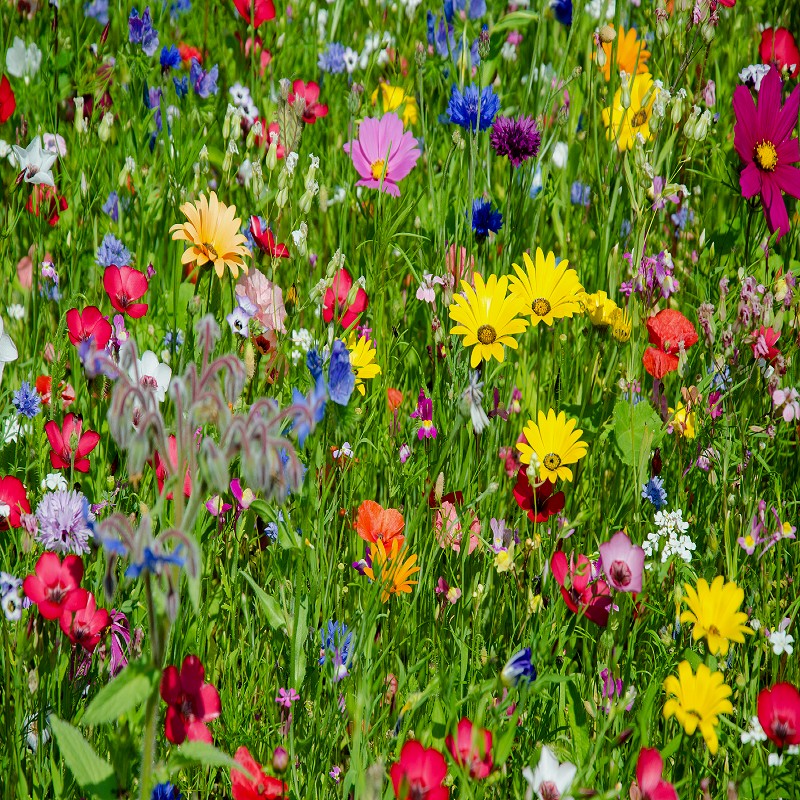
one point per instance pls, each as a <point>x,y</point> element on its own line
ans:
<point>362,356</point>
<point>600,308</point>
<point>621,325</point>
<point>212,230</point>
<point>632,54</point>
<point>392,97</point>
<point>622,124</point>
<point>488,318</point>
<point>714,612</point>
<point>555,442</point>
<point>547,292</point>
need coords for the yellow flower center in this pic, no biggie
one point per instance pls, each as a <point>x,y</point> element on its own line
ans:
<point>749,540</point>
<point>639,118</point>
<point>209,248</point>
<point>487,334</point>
<point>541,307</point>
<point>377,169</point>
<point>552,461</point>
<point>766,156</point>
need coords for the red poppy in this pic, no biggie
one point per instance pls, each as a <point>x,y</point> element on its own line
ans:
<point>264,10</point>
<point>45,198</point>
<point>649,784</point>
<point>539,502</point>
<point>764,340</point>
<point>419,773</point>
<point>266,241</point>
<point>86,624</point>
<point>779,713</point>
<point>191,701</point>
<point>375,523</point>
<point>340,304</point>
<point>777,46</point>
<point>188,53</point>
<point>580,592</point>
<point>55,586</point>
<point>257,785</point>
<point>44,385</point>
<point>81,325</point>
<point>310,93</point>
<point>472,748</point>
<point>124,285</point>
<point>160,467</point>
<point>668,330</point>
<point>61,440</point>
<point>14,498</point>
<point>8,102</point>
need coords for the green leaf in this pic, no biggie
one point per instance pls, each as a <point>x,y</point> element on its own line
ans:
<point>577,722</point>
<point>299,636</point>
<point>191,753</point>
<point>272,609</point>
<point>504,744</point>
<point>92,773</point>
<point>127,691</point>
<point>637,430</point>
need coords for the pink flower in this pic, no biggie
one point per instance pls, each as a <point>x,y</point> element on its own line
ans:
<point>70,435</point>
<point>583,592</point>
<point>310,93</point>
<point>449,530</point>
<point>192,702</point>
<point>472,748</point>
<point>264,299</point>
<point>56,587</point>
<point>286,697</point>
<point>649,784</point>
<point>383,154</point>
<point>623,563</point>
<point>764,343</point>
<point>788,398</point>
<point>86,624</point>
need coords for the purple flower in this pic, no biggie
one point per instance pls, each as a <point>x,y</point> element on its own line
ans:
<point>204,83</point>
<point>141,31</point>
<point>341,380</point>
<point>332,60</point>
<point>239,320</point>
<point>286,697</point>
<point>111,206</point>
<point>65,522</point>
<point>623,563</point>
<point>120,642</point>
<point>424,413</point>
<point>310,410</point>
<point>519,139</point>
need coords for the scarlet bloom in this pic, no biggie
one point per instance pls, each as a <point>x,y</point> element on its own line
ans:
<point>44,386</point>
<point>649,785</point>
<point>81,325</point>
<point>61,440</point>
<point>375,523</point>
<point>779,714</point>
<point>13,502</point>
<point>266,241</point>
<point>394,398</point>
<point>124,285</point>
<point>46,199</point>
<point>668,330</point>
<point>86,624</point>
<point>55,586</point>
<point>310,93</point>
<point>539,501</point>
<point>160,467</point>
<point>580,592</point>
<point>264,11</point>
<point>341,303</point>
<point>188,52</point>
<point>764,340</point>
<point>8,102</point>
<point>777,47</point>
<point>267,129</point>
<point>259,787</point>
<point>191,701</point>
<point>419,773</point>
<point>472,749</point>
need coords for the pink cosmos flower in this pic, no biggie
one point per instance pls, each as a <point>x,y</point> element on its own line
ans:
<point>649,785</point>
<point>763,139</point>
<point>192,702</point>
<point>623,563</point>
<point>383,154</point>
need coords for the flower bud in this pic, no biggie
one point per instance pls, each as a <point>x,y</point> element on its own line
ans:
<point>80,124</point>
<point>282,198</point>
<point>104,128</point>
<point>253,134</point>
<point>351,295</point>
<point>272,152</point>
<point>625,89</point>
<point>280,759</point>
<point>607,34</point>
<point>600,57</point>
<point>285,88</point>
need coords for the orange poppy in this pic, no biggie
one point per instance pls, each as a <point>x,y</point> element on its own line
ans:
<point>375,523</point>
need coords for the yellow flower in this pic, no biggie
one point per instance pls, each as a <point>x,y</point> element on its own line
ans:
<point>392,97</point>
<point>395,572</point>
<point>362,354</point>
<point>546,291</point>
<point>600,308</point>
<point>623,124</point>
<point>698,701</point>
<point>555,442</point>
<point>714,612</point>
<point>683,421</point>
<point>213,231</point>
<point>504,560</point>
<point>488,318</point>
<point>621,325</point>
<point>632,54</point>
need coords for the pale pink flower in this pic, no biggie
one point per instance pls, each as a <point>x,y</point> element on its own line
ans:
<point>263,299</point>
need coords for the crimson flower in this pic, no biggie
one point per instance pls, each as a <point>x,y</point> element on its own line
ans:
<point>63,439</point>
<point>777,47</point>
<point>191,701</point>
<point>257,785</point>
<point>46,199</point>
<point>268,128</point>
<point>779,713</point>
<point>8,102</point>
<point>13,502</point>
<point>668,330</point>
<point>419,773</point>
<point>340,304</point>
<point>649,785</point>
<point>310,93</point>
<point>266,241</point>
<point>160,467</point>
<point>472,749</point>
<point>86,624</point>
<point>538,501</point>
<point>124,285</point>
<point>580,592</point>
<point>81,325</point>
<point>264,10</point>
<point>764,340</point>
<point>55,586</point>
<point>44,387</point>
<point>763,139</point>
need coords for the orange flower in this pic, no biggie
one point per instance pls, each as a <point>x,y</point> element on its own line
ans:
<point>395,398</point>
<point>378,524</point>
<point>395,570</point>
<point>631,54</point>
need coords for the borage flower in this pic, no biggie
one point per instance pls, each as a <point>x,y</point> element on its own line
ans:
<point>191,702</point>
<point>582,591</point>
<point>61,442</point>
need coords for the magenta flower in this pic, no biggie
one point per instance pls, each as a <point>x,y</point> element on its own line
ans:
<point>383,154</point>
<point>763,139</point>
<point>286,697</point>
<point>424,413</point>
<point>622,562</point>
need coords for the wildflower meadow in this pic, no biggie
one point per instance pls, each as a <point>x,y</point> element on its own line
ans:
<point>399,399</point>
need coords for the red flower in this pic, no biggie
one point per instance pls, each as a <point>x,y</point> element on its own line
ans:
<point>188,53</point>
<point>668,331</point>
<point>264,10</point>
<point>46,198</point>
<point>265,138</point>
<point>44,385</point>
<point>124,285</point>
<point>779,713</point>
<point>310,93</point>
<point>191,701</point>
<point>580,592</point>
<point>160,467</point>
<point>86,625</point>
<point>727,3</point>
<point>264,55</point>
<point>419,773</point>
<point>62,441</point>
<point>764,344</point>
<point>338,302</point>
<point>649,784</point>
<point>15,498</point>
<point>539,501</point>
<point>82,325</point>
<point>472,748</point>
<point>258,787</point>
<point>266,241</point>
<point>8,102</point>
<point>777,47</point>
<point>55,588</point>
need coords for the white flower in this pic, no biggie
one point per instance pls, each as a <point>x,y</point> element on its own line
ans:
<point>22,61</point>
<point>152,374</point>
<point>345,451</point>
<point>754,75</point>
<point>754,734</point>
<point>12,606</point>
<point>473,395</point>
<point>291,162</point>
<point>54,482</point>
<point>350,60</point>
<point>605,9</point>
<point>8,350</point>
<point>755,624</point>
<point>16,311</point>
<point>560,153</point>
<point>774,760</point>
<point>35,162</point>
<point>550,779</point>
<point>781,642</point>
<point>240,94</point>
<point>300,235</point>
<point>5,150</point>
<point>5,510</point>
<point>54,143</point>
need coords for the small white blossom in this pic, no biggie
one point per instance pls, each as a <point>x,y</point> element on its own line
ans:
<point>782,642</point>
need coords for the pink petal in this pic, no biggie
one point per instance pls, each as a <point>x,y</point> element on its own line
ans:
<point>648,769</point>
<point>171,686</point>
<point>769,104</point>
<point>192,675</point>
<point>750,180</point>
<point>198,732</point>
<point>774,206</point>
<point>360,162</point>
<point>744,131</point>
<point>208,704</point>
<point>786,119</point>
<point>48,568</point>
<point>788,178</point>
<point>369,139</point>
<point>175,726</point>
<point>788,151</point>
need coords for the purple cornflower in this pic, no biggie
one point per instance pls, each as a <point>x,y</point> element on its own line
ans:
<point>111,206</point>
<point>204,83</point>
<point>286,697</point>
<point>424,413</point>
<point>141,31</point>
<point>332,59</point>
<point>65,522</point>
<point>112,251</point>
<point>519,139</point>
<point>27,401</point>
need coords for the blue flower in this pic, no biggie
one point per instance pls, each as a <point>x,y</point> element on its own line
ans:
<point>562,11</point>
<point>580,194</point>
<point>151,561</point>
<point>518,668</point>
<point>314,363</point>
<point>111,206</point>
<point>112,251</point>
<point>141,31</point>
<point>477,8</point>
<point>484,219</point>
<point>165,791</point>
<point>178,8</point>
<point>536,183</point>
<point>473,109</point>
<point>181,86</point>
<point>655,493</point>
<point>204,83</point>
<point>27,401</point>
<point>97,10</point>
<point>341,380</point>
<point>311,410</point>
<point>440,35</point>
<point>336,641</point>
<point>332,59</point>
<point>170,58</point>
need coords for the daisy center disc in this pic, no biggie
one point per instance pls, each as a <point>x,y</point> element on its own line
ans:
<point>766,156</point>
<point>541,307</point>
<point>639,118</point>
<point>487,334</point>
<point>377,169</point>
<point>552,461</point>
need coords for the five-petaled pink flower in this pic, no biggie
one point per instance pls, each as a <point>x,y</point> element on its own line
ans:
<point>649,785</point>
<point>55,586</point>
<point>623,563</point>
<point>471,747</point>
<point>310,93</point>
<point>124,285</point>
<point>286,697</point>
<point>71,434</point>
<point>583,592</point>
<point>89,323</point>
<point>342,302</point>
<point>86,625</point>
<point>192,702</point>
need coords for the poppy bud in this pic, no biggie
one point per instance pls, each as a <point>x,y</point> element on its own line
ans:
<point>656,463</point>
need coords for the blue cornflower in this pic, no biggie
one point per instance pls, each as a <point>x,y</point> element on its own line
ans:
<point>655,492</point>
<point>27,401</point>
<point>170,58</point>
<point>580,194</point>
<point>562,11</point>
<point>181,86</point>
<point>314,363</point>
<point>484,219</point>
<point>440,35</point>
<point>518,668</point>
<point>165,791</point>
<point>310,409</point>
<point>336,640</point>
<point>341,380</point>
<point>178,8</point>
<point>97,10</point>
<point>141,31</point>
<point>474,10</point>
<point>332,59</point>
<point>112,251</point>
<point>473,109</point>
<point>204,83</point>
<point>111,206</point>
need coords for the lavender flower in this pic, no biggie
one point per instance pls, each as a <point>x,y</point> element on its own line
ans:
<point>111,206</point>
<point>65,522</point>
<point>112,251</point>
<point>141,31</point>
<point>519,139</point>
<point>204,83</point>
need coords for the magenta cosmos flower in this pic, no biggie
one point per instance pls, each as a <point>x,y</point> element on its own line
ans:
<point>763,139</point>
<point>383,154</point>
<point>622,562</point>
